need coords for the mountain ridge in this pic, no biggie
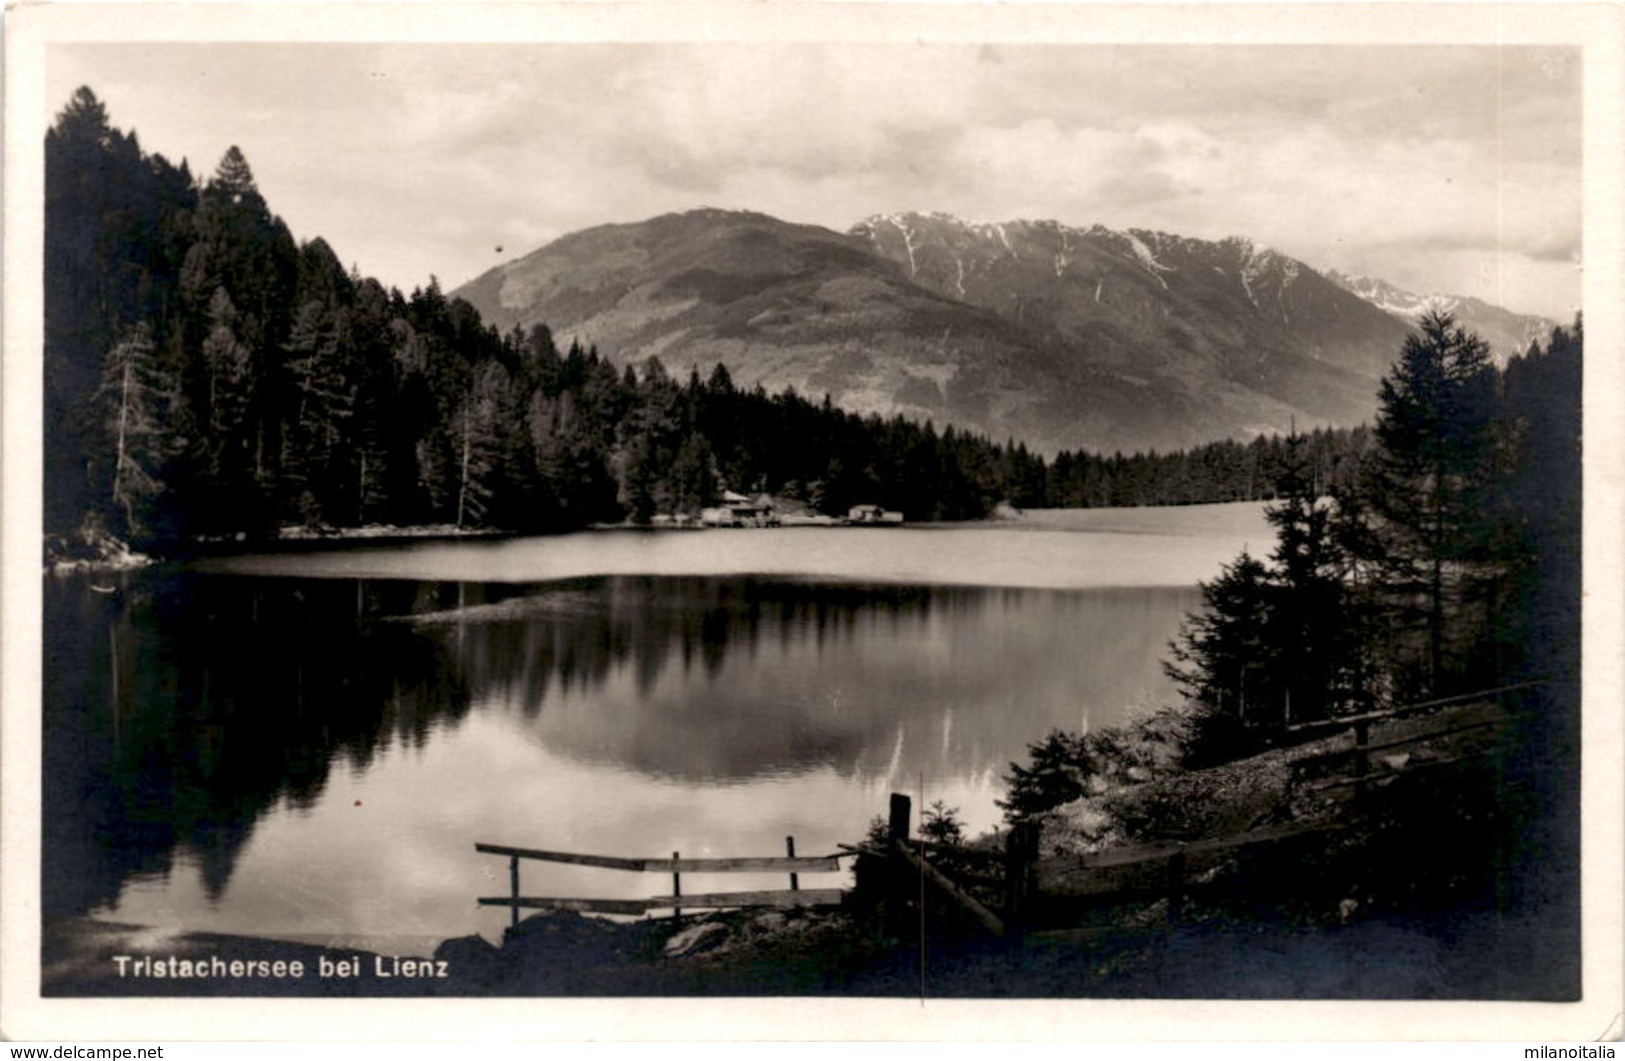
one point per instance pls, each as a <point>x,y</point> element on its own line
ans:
<point>1094,284</point>
<point>1059,336</point>
<point>1506,332</point>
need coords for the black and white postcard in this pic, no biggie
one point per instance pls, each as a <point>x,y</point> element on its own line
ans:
<point>812,520</point>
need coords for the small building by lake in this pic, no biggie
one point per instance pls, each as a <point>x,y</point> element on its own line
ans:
<point>737,510</point>
<point>873,514</point>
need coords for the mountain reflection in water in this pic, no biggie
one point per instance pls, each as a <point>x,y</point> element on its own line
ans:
<point>193,717</point>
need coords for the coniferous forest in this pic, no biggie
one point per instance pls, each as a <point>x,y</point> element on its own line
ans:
<point>1449,562</point>
<point>209,376</point>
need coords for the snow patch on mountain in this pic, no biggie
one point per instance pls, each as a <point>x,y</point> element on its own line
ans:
<point>1261,264</point>
<point>997,228</point>
<point>908,245</point>
<point>1147,259</point>
<point>1395,300</point>
<point>1507,332</point>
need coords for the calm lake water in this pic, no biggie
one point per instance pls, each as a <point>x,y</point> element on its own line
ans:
<point>308,745</point>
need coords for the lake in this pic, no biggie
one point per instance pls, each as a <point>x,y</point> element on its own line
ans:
<point>307,745</point>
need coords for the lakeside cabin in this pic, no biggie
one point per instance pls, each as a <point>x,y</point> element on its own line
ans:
<point>873,515</point>
<point>737,510</point>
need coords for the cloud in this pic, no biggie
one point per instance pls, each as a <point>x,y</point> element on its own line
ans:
<point>1560,247</point>
<point>1132,191</point>
<point>413,159</point>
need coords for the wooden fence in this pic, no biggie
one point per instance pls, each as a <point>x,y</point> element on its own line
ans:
<point>1360,753</point>
<point>1029,886</point>
<point>676,865</point>
<point>908,869</point>
<point>1361,723</point>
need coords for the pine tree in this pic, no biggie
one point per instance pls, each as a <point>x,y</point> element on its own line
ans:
<point>235,181</point>
<point>316,450</point>
<point>1056,775</point>
<point>1432,476</point>
<point>116,225</point>
<point>136,396</point>
<point>1310,626</point>
<point>1225,662</point>
<point>693,475</point>
<point>477,434</point>
<point>228,395</point>
<point>1536,628</point>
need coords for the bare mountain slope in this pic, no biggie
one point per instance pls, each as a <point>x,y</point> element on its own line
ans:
<point>796,305</point>
<point>1059,337</point>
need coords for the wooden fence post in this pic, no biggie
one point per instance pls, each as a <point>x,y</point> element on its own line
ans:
<point>1362,757</point>
<point>1012,875</point>
<point>676,889</point>
<point>1176,888</point>
<point>790,850</point>
<point>897,892</point>
<point>513,881</point>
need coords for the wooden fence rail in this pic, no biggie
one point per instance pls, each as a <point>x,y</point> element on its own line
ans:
<point>781,900</point>
<point>1363,748</point>
<point>676,865</point>
<point>1332,725</point>
<point>769,864</point>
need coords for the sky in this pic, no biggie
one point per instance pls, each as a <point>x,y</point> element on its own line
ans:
<point>1442,168</point>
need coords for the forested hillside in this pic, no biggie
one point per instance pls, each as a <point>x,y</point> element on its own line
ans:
<point>207,375</point>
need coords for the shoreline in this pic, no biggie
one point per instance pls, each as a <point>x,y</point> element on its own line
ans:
<point>363,538</point>
<point>110,556</point>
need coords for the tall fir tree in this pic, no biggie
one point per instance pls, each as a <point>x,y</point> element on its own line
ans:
<point>136,398</point>
<point>1224,662</point>
<point>117,223</point>
<point>1431,480</point>
<point>1311,625</point>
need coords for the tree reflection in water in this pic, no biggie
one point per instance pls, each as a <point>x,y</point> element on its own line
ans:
<point>184,708</point>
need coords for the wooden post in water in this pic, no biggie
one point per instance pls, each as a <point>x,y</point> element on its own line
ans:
<point>790,850</point>
<point>513,881</point>
<point>676,889</point>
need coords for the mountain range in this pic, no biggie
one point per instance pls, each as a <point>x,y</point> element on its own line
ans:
<point>1059,337</point>
<point>1506,332</point>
